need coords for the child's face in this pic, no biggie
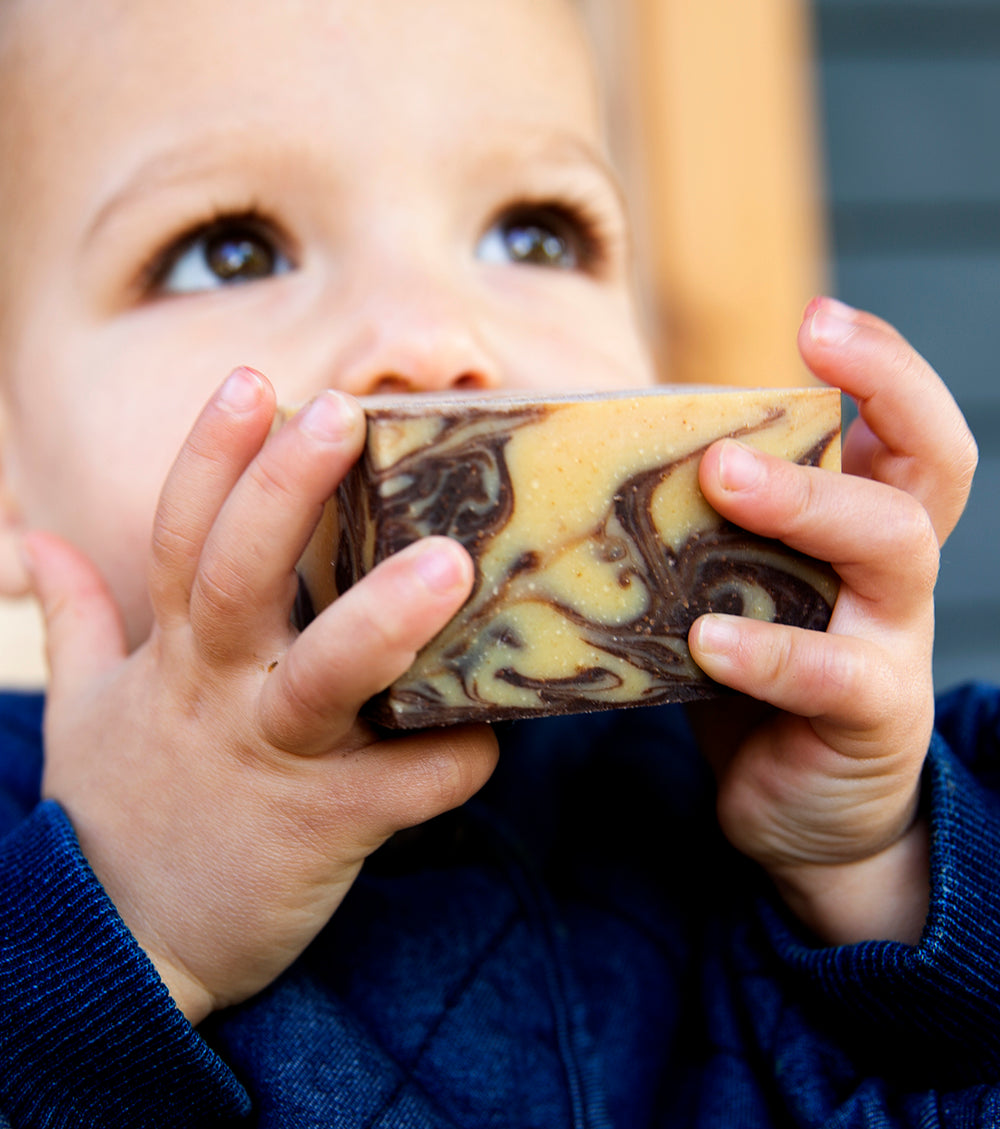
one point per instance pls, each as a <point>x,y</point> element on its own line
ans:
<point>364,194</point>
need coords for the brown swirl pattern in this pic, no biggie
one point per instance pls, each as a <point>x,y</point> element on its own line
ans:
<point>527,642</point>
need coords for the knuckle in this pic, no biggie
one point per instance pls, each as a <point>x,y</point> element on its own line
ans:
<point>271,483</point>
<point>283,716</point>
<point>797,497</point>
<point>217,614</point>
<point>221,588</point>
<point>444,779</point>
<point>902,360</point>
<point>172,539</point>
<point>203,447</point>
<point>965,461</point>
<point>872,689</point>
<point>914,533</point>
<point>811,497</point>
<point>838,668</point>
<point>780,666</point>
<point>810,671</point>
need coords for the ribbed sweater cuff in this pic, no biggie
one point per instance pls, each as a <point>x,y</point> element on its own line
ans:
<point>89,1034</point>
<point>937,1002</point>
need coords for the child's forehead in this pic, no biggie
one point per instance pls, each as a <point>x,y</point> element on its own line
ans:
<point>282,34</point>
<point>314,59</point>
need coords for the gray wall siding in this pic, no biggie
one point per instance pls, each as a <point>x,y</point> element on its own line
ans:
<point>910,96</point>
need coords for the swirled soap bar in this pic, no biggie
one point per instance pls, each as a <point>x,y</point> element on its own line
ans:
<point>593,545</point>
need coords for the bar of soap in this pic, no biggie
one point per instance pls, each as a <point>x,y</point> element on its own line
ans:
<point>594,548</point>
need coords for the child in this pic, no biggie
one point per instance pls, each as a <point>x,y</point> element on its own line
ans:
<point>360,195</point>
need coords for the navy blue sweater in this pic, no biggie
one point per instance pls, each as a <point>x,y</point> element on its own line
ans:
<point>577,946</point>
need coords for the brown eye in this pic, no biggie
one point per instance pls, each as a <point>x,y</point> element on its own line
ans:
<point>536,236</point>
<point>224,253</point>
<point>239,256</point>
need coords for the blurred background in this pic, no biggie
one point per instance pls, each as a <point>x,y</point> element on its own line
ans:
<point>774,149</point>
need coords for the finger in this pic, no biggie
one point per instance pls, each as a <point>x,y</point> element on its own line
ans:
<point>246,580</point>
<point>926,448</point>
<point>365,640</point>
<point>878,539</point>
<point>390,785</point>
<point>226,436</point>
<point>860,447</point>
<point>84,633</point>
<point>847,681</point>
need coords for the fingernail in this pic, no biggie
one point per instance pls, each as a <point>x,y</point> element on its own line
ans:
<point>739,468</point>
<point>832,322</point>
<point>439,568</point>
<point>717,634</point>
<point>328,417</point>
<point>241,390</point>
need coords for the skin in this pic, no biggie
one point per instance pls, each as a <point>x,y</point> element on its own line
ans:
<point>212,761</point>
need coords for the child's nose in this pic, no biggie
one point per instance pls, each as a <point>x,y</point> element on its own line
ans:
<point>417,342</point>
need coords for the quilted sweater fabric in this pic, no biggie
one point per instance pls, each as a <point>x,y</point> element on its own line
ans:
<point>577,946</point>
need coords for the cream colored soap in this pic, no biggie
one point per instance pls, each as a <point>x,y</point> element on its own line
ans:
<point>594,547</point>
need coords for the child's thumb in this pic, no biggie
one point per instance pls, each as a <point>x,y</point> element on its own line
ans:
<point>84,634</point>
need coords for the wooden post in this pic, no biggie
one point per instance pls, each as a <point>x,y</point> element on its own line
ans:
<point>733,227</point>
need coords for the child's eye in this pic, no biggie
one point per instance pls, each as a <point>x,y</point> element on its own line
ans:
<point>544,236</point>
<point>222,253</point>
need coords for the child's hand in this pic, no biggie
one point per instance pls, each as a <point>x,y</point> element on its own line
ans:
<point>824,795</point>
<point>218,778</point>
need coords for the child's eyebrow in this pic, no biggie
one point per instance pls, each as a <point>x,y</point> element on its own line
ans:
<point>162,170</point>
<point>567,150</point>
<point>192,159</point>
